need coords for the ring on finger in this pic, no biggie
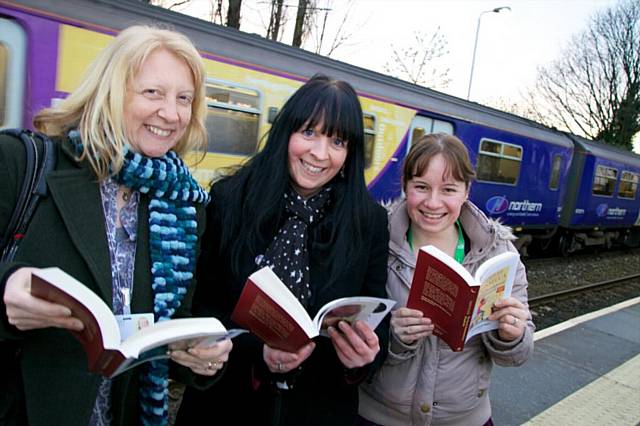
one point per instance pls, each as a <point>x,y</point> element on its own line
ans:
<point>279,366</point>
<point>515,321</point>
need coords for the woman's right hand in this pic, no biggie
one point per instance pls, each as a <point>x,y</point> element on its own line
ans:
<point>27,312</point>
<point>409,325</point>
<point>282,362</point>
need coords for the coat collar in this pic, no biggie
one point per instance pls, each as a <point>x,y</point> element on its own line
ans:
<point>76,194</point>
<point>482,231</point>
<point>75,190</point>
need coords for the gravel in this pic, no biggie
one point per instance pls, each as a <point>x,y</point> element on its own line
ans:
<point>554,274</point>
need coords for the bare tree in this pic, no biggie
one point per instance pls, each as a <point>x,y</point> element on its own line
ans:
<point>233,13</point>
<point>342,33</point>
<point>275,19</point>
<point>523,107</point>
<point>302,21</point>
<point>420,63</point>
<point>594,88</point>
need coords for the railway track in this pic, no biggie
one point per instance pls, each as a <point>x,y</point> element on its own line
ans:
<point>545,298</point>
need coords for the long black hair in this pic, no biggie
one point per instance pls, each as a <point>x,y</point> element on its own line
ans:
<point>254,210</point>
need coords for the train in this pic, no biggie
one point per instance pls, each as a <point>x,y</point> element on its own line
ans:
<point>556,190</point>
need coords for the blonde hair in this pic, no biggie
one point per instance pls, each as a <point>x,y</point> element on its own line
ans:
<point>95,108</point>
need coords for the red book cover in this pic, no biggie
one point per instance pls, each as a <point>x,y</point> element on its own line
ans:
<point>443,295</point>
<point>90,337</point>
<point>268,320</point>
<point>107,353</point>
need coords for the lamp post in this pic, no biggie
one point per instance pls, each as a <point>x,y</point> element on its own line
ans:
<point>475,45</point>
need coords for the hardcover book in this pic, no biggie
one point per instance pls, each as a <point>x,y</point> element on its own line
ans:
<point>270,311</point>
<point>457,302</point>
<point>107,353</point>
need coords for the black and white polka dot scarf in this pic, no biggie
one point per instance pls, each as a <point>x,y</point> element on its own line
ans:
<point>287,254</point>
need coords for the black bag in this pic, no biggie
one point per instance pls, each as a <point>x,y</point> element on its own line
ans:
<point>33,187</point>
<point>39,164</point>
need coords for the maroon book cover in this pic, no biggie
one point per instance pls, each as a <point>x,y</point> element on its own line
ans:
<point>444,296</point>
<point>268,320</point>
<point>90,337</point>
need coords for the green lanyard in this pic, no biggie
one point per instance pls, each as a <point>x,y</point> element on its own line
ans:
<point>459,253</point>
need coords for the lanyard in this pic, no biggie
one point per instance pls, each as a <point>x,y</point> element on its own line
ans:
<point>459,253</point>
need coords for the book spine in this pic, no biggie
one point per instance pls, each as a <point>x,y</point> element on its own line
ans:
<point>107,363</point>
<point>467,317</point>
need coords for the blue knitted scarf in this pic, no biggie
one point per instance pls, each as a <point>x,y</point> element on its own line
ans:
<point>172,244</point>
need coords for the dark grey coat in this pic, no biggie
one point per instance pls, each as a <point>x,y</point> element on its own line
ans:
<point>68,231</point>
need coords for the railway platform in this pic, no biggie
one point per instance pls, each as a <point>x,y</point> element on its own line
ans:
<point>585,371</point>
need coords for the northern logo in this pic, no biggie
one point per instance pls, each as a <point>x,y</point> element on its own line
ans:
<point>497,204</point>
<point>602,209</point>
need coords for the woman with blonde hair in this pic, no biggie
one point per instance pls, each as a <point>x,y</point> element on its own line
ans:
<point>423,382</point>
<point>124,217</point>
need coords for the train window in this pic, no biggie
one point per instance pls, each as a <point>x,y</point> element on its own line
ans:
<point>13,52</point>
<point>233,119</point>
<point>442,127</point>
<point>628,185</point>
<point>421,126</point>
<point>604,181</point>
<point>554,179</point>
<point>369,139</point>
<point>4,58</point>
<point>498,162</point>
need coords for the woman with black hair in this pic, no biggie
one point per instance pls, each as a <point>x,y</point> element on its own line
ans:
<point>301,207</point>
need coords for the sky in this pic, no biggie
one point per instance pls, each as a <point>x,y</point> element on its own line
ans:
<point>511,44</point>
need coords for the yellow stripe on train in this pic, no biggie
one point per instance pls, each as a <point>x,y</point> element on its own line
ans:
<point>385,123</point>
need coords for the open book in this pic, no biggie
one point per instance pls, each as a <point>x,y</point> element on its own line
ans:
<point>270,311</point>
<point>458,303</point>
<point>101,336</point>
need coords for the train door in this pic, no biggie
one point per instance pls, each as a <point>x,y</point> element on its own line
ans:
<point>421,125</point>
<point>13,47</point>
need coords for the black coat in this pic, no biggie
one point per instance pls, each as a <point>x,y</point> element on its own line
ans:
<point>68,231</point>
<point>324,392</point>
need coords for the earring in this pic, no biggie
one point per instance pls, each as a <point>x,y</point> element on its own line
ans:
<point>342,171</point>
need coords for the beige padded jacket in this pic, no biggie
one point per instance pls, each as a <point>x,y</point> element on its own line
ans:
<point>427,383</point>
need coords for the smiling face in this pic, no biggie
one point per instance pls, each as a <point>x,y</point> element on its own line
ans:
<point>157,106</point>
<point>314,159</point>
<point>434,199</point>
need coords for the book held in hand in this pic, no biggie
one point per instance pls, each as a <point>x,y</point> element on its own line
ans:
<point>270,311</point>
<point>457,302</point>
<point>107,353</point>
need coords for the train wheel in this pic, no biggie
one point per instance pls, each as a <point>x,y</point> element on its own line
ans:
<point>564,245</point>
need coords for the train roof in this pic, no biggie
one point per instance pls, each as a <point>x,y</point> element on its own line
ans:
<point>607,151</point>
<point>298,63</point>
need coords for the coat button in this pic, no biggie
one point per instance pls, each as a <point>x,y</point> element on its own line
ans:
<point>480,393</point>
<point>425,408</point>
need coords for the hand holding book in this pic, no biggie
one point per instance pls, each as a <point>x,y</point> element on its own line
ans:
<point>109,352</point>
<point>511,315</point>
<point>27,312</point>
<point>356,344</point>
<point>458,303</point>
<point>410,325</point>
<point>200,356</point>
<point>270,311</point>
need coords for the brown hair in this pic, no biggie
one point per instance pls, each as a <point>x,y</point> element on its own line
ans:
<point>452,149</point>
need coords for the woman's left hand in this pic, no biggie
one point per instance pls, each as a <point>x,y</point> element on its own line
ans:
<point>204,360</point>
<point>356,346</point>
<point>512,315</point>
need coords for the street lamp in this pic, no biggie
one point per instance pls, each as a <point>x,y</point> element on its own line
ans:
<point>475,45</point>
